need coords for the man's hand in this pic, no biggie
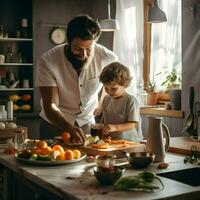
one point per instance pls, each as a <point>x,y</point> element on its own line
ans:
<point>76,134</point>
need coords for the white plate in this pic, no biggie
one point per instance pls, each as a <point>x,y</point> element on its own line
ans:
<point>56,162</point>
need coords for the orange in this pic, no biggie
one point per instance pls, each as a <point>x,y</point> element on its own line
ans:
<point>65,136</point>
<point>35,151</point>
<point>58,148</point>
<point>69,155</point>
<point>77,153</point>
<point>60,157</point>
<point>41,144</point>
<point>45,151</point>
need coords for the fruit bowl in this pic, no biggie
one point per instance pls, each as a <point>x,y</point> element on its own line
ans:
<point>108,176</point>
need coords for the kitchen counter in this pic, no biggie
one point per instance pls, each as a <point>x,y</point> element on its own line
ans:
<point>182,145</point>
<point>76,181</point>
<point>160,111</point>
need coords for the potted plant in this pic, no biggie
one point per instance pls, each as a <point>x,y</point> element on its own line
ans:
<point>152,94</point>
<point>172,83</point>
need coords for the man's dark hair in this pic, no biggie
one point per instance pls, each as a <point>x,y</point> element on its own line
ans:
<point>83,27</point>
<point>115,72</point>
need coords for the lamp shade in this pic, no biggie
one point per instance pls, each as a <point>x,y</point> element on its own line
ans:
<point>109,25</point>
<point>156,15</point>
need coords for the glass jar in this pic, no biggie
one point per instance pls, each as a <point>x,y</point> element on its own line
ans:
<point>105,162</point>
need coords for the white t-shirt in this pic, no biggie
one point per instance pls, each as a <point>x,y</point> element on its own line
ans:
<point>78,95</point>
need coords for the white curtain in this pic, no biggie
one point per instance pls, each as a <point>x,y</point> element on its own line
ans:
<point>128,41</point>
<point>166,42</point>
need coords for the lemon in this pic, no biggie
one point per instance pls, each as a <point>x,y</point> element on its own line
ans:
<point>33,156</point>
<point>54,154</point>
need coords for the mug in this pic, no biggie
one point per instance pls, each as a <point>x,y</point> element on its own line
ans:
<point>96,129</point>
<point>2,58</point>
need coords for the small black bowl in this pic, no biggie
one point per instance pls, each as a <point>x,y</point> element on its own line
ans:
<point>108,176</point>
<point>140,159</point>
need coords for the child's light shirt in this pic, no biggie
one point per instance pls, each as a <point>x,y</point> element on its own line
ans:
<point>123,110</point>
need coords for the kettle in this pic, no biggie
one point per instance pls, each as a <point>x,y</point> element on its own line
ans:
<point>155,144</point>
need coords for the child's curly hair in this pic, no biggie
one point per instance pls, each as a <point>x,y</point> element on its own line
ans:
<point>116,72</point>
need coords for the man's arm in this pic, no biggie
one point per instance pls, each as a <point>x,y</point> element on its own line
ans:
<point>98,110</point>
<point>50,99</point>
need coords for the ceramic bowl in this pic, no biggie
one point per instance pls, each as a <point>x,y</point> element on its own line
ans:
<point>140,159</point>
<point>108,176</point>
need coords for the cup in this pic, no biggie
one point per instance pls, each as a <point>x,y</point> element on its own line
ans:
<point>19,139</point>
<point>2,58</point>
<point>26,83</point>
<point>96,129</point>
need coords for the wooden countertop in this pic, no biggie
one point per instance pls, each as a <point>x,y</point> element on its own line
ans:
<point>182,145</point>
<point>160,111</point>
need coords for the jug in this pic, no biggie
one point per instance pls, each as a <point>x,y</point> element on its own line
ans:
<point>155,133</point>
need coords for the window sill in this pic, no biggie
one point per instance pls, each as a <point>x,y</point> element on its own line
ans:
<point>161,112</point>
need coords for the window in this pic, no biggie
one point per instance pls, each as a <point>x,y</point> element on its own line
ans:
<point>165,45</point>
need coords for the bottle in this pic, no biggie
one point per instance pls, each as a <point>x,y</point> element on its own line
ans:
<point>10,110</point>
<point>140,89</point>
<point>144,98</point>
<point>9,56</point>
<point>24,28</point>
<point>2,112</point>
<point>1,31</point>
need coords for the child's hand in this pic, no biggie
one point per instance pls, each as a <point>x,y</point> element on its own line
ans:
<point>108,128</point>
<point>97,111</point>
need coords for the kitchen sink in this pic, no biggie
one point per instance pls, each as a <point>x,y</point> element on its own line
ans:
<point>189,176</point>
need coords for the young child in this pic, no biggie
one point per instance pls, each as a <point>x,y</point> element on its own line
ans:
<point>120,110</point>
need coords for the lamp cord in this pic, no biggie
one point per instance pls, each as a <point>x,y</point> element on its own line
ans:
<point>108,9</point>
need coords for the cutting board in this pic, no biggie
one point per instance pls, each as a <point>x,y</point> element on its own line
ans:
<point>117,151</point>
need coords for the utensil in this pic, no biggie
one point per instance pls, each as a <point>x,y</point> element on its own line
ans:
<point>140,159</point>
<point>190,119</point>
<point>196,115</point>
<point>155,133</point>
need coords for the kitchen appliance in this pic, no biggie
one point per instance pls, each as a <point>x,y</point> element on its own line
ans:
<point>155,143</point>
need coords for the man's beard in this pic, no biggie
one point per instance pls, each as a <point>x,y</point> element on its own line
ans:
<point>77,64</point>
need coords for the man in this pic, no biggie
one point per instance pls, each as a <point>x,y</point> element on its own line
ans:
<point>68,79</point>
